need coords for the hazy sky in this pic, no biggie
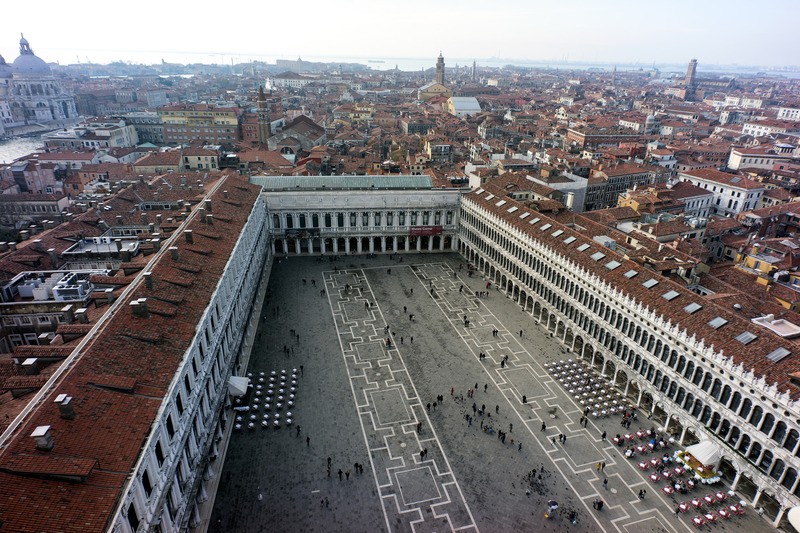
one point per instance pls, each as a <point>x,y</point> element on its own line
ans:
<point>715,31</point>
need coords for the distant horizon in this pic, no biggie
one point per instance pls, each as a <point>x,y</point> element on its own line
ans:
<point>388,62</point>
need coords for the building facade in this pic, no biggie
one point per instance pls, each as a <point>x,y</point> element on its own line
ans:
<point>699,370</point>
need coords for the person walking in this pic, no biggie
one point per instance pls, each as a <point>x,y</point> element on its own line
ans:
<point>544,425</point>
<point>603,436</point>
<point>605,483</point>
<point>340,474</point>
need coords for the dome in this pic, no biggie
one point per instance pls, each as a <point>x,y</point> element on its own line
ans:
<point>5,69</point>
<point>28,62</point>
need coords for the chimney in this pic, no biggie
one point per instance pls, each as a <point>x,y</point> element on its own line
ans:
<point>156,242</point>
<point>208,204</point>
<point>139,308</point>
<point>210,220</point>
<point>34,229</point>
<point>69,315</point>
<point>144,217</point>
<point>30,366</point>
<point>24,235</point>
<point>202,212</point>
<point>65,408</point>
<point>188,207</point>
<point>118,243</point>
<point>43,339</point>
<point>125,255</point>
<point>148,280</point>
<point>173,252</point>
<point>43,438</point>
<point>151,228</point>
<point>81,316</point>
<point>12,246</point>
<point>3,246</point>
<point>53,256</point>
<point>225,194</point>
<point>37,245</point>
<point>119,220</point>
<point>188,234</point>
<point>158,221</point>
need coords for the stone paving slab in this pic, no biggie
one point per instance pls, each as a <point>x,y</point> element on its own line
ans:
<point>360,401</point>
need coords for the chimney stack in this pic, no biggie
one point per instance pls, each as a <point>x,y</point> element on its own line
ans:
<point>81,316</point>
<point>208,204</point>
<point>148,280</point>
<point>65,408</point>
<point>156,241</point>
<point>69,315</point>
<point>53,256</point>
<point>43,438</point>
<point>188,207</point>
<point>139,308</point>
<point>173,251</point>
<point>37,245</point>
<point>188,234</point>
<point>118,243</point>
<point>225,194</point>
<point>24,235</point>
<point>158,221</point>
<point>119,220</point>
<point>210,220</point>
<point>144,217</point>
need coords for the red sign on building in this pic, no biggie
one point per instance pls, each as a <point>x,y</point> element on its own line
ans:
<point>421,231</point>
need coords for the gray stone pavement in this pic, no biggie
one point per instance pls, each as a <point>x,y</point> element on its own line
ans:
<point>360,400</point>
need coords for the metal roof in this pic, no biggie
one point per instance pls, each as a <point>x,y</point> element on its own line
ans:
<point>283,183</point>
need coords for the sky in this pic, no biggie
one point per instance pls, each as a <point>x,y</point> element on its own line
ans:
<point>722,32</point>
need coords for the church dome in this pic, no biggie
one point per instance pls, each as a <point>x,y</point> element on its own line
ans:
<point>5,69</point>
<point>28,62</point>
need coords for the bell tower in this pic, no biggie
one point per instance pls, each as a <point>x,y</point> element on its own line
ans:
<point>264,129</point>
<point>440,69</point>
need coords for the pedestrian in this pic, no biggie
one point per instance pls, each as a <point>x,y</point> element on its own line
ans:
<point>544,425</point>
<point>401,340</point>
<point>520,334</point>
<point>603,436</point>
<point>340,474</point>
<point>451,391</point>
<point>605,483</point>
<point>511,428</point>
<point>428,407</point>
<point>603,466</point>
<point>485,386</point>
<point>326,501</point>
<point>598,467</point>
<point>347,475</point>
<point>298,431</point>
<point>677,511</point>
<point>405,309</point>
<point>560,437</point>
<point>301,370</point>
<point>496,409</point>
<point>322,503</point>
<point>520,447</point>
<point>421,455</point>
<point>412,339</point>
<point>564,440</point>
<point>308,441</point>
<point>524,399</point>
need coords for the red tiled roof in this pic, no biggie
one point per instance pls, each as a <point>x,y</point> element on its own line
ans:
<point>115,422</point>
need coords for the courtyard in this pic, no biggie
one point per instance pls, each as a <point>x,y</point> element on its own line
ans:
<point>420,406</point>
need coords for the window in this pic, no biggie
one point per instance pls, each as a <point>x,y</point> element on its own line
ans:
<point>159,453</point>
<point>170,427</point>
<point>133,518</point>
<point>146,485</point>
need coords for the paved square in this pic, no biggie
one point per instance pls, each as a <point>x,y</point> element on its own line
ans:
<point>403,436</point>
<point>417,486</point>
<point>390,407</point>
